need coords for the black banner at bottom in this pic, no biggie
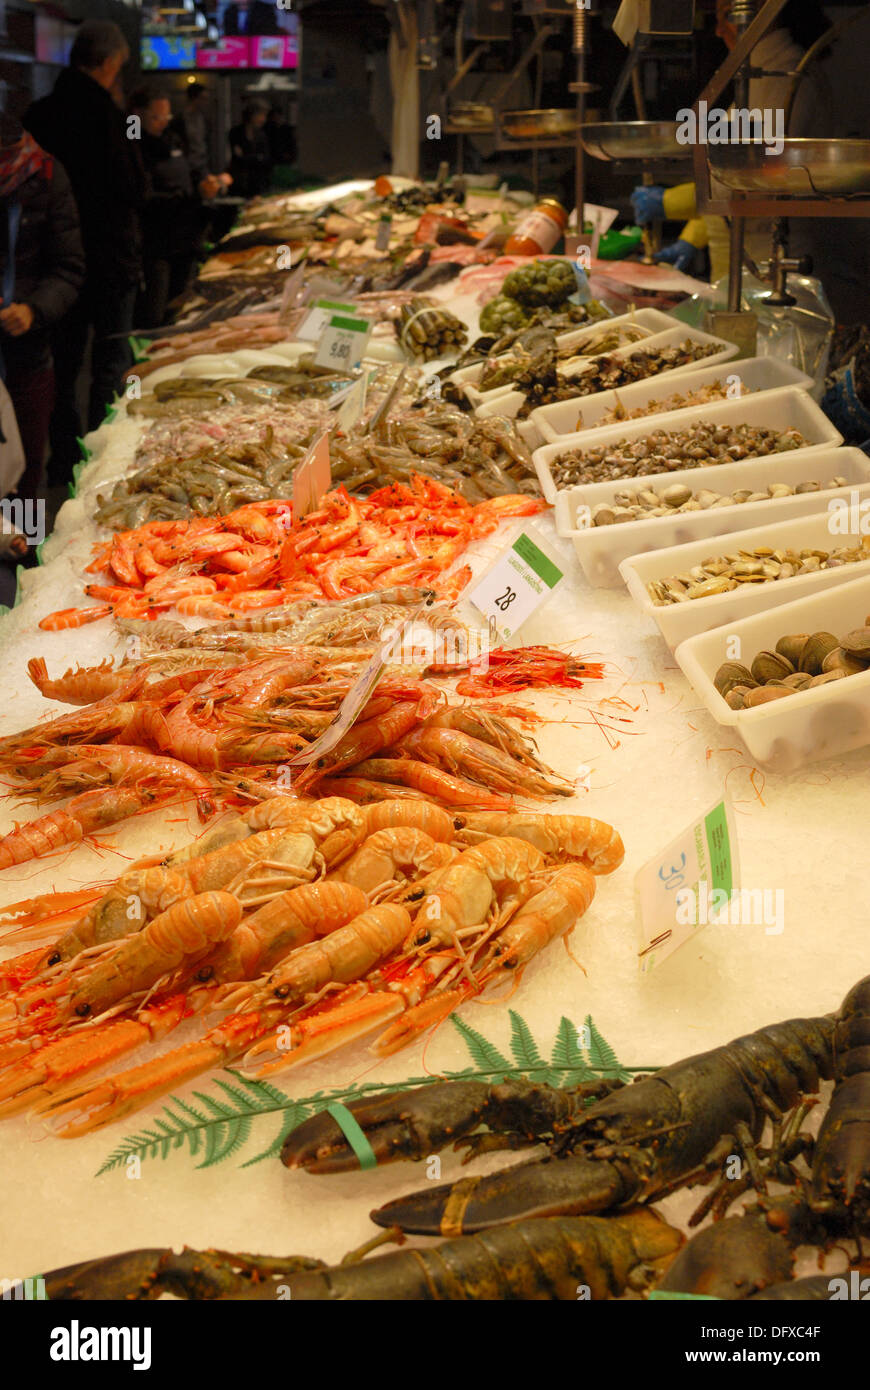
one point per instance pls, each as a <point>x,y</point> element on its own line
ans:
<point>61,1339</point>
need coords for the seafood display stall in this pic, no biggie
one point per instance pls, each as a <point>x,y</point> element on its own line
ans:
<point>309,863</point>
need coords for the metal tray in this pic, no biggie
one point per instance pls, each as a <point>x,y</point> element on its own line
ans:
<point>555,123</point>
<point>633,140</point>
<point>471,116</point>
<point>826,167</point>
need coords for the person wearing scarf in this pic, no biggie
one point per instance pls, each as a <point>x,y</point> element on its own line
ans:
<point>41,278</point>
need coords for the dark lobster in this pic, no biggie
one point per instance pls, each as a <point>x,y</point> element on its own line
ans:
<point>633,1145</point>
<point>567,1259</point>
<point>742,1256</point>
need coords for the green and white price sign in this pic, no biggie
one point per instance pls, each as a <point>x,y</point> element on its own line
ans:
<point>343,343</point>
<point>522,578</point>
<point>318,317</point>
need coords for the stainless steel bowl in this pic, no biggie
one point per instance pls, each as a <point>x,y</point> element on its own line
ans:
<point>633,140</point>
<point>804,168</point>
<point>539,125</point>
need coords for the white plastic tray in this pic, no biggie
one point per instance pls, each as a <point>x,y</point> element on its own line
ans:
<point>754,373</point>
<point>679,621</point>
<point>601,549</point>
<point>821,723</point>
<point>786,408</point>
<point>653,321</point>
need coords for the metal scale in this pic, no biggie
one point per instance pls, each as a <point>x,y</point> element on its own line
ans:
<point>491,21</point>
<point>810,178</point>
<point>647,143</point>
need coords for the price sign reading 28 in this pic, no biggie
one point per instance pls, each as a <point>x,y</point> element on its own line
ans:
<point>343,342</point>
<point>521,579</point>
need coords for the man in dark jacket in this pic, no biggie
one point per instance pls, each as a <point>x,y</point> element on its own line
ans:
<point>172,215</point>
<point>41,279</point>
<point>254,17</point>
<point>81,124</point>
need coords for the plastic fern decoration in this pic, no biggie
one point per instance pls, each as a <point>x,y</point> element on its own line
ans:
<point>220,1124</point>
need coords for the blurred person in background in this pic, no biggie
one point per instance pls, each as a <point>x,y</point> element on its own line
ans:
<point>282,140</point>
<point>250,159</point>
<point>193,126</point>
<point>796,28</point>
<point>42,269</point>
<point>80,123</point>
<point>171,216</point>
<point>254,17</point>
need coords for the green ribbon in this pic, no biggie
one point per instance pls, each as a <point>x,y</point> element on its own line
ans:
<point>354,1135</point>
<point>663,1295</point>
<point>19,570</point>
<point>83,450</point>
<point>39,559</point>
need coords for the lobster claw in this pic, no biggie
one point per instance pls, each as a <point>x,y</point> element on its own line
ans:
<point>539,1187</point>
<point>131,1275</point>
<point>398,1125</point>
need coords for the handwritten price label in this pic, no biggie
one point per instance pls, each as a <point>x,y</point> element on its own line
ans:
<point>343,342</point>
<point>699,863</point>
<point>522,578</point>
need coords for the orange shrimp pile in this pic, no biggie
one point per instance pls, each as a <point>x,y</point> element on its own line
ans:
<point>311,927</point>
<point>222,733</point>
<point>258,557</point>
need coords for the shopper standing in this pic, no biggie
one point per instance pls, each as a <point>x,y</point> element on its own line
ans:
<point>42,268</point>
<point>81,124</point>
<point>250,160</point>
<point>172,211</point>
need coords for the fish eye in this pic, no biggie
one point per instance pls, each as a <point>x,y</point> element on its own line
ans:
<point>54,958</point>
<point>83,1010</point>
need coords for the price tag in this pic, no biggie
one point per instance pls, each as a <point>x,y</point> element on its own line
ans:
<point>292,286</point>
<point>521,579</point>
<point>343,342</point>
<point>688,885</point>
<point>356,697</point>
<point>321,312</point>
<point>312,479</point>
<point>382,237</point>
<point>354,404</point>
<point>348,710</point>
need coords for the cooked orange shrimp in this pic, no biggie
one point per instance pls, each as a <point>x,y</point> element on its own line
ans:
<point>124,909</point>
<point>594,842</point>
<point>419,815</point>
<point>458,752</point>
<point>428,781</point>
<point>345,955</point>
<point>493,877</point>
<point>126,763</point>
<point>291,920</point>
<point>337,825</point>
<point>489,728</point>
<point>391,857</point>
<point>549,914</point>
<point>101,976</point>
<point>78,818</point>
<point>81,686</point>
<point>74,617</point>
<point>186,930</point>
<point>363,740</point>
